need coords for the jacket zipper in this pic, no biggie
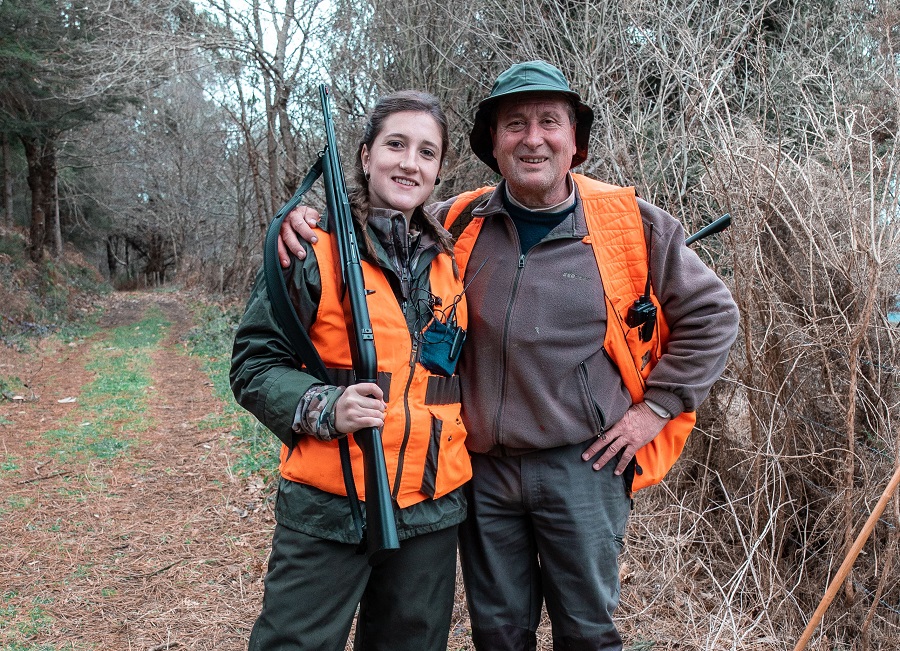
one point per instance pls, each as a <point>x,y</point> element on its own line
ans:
<point>596,414</point>
<point>504,346</point>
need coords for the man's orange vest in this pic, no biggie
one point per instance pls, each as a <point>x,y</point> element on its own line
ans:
<point>424,444</point>
<point>616,235</point>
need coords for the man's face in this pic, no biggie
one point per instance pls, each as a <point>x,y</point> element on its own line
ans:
<point>534,141</point>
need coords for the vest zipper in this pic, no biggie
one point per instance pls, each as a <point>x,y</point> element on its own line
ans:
<point>413,357</point>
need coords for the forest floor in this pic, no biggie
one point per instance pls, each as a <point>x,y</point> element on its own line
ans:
<point>136,498</point>
<point>125,519</point>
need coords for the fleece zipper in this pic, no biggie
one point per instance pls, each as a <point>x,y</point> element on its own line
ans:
<point>504,343</point>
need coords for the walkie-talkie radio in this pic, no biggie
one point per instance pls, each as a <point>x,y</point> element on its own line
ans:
<point>642,312</point>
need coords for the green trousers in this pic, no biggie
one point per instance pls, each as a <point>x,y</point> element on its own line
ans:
<point>543,527</point>
<point>313,587</point>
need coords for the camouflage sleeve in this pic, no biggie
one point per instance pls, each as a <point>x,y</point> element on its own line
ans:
<point>315,412</point>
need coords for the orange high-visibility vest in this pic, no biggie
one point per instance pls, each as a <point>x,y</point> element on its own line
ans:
<point>616,235</point>
<point>423,435</point>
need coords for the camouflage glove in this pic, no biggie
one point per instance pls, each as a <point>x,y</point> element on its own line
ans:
<point>315,413</point>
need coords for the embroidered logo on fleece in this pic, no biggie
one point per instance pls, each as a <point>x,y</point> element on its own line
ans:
<point>573,276</point>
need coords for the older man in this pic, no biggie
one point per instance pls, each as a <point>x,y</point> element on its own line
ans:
<point>594,334</point>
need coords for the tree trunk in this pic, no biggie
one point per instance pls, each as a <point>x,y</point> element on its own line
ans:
<point>50,181</point>
<point>7,182</point>
<point>57,247</point>
<point>291,180</point>
<point>271,143</point>
<point>272,150</point>
<point>33,150</point>
<point>155,267</point>
<point>112,261</point>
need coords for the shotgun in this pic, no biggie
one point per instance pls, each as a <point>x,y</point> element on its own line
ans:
<point>380,532</point>
<point>717,226</point>
<point>642,313</point>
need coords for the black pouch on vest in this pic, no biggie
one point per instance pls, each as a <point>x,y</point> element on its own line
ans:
<point>440,347</point>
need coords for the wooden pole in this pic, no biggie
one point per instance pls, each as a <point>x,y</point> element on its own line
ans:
<point>844,570</point>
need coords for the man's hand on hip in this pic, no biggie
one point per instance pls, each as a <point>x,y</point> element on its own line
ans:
<point>638,426</point>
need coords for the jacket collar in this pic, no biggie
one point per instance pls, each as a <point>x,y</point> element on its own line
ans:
<point>390,229</point>
<point>575,225</point>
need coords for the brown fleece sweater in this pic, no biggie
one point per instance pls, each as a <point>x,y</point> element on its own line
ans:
<point>534,373</point>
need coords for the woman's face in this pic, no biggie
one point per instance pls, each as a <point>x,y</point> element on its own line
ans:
<point>403,162</point>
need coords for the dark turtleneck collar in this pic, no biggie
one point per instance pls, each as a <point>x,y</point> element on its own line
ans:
<point>533,225</point>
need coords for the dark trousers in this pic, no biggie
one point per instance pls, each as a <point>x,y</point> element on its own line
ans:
<point>543,527</point>
<point>313,587</point>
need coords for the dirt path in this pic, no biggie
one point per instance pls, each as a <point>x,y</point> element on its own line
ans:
<point>158,547</point>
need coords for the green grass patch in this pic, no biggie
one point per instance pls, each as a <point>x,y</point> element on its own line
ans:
<point>14,246</point>
<point>642,645</point>
<point>261,448</point>
<point>82,571</point>
<point>9,387</point>
<point>14,503</point>
<point>80,330</point>
<point>9,465</point>
<point>37,620</point>
<point>214,332</point>
<point>169,288</point>
<point>214,421</point>
<point>113,408</point>
<point>20,621</point>
<point>18,502</point>
<point>211,340</point>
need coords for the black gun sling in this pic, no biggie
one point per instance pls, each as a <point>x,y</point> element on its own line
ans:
<point>276,288</point>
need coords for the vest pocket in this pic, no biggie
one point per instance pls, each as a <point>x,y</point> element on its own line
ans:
<point>429,479</point>
<point>447,464</point>
<point>442,390</point>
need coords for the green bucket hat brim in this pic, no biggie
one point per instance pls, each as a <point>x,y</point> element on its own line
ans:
<point>521,78</point>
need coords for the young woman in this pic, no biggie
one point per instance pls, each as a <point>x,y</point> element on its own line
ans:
<point>316,578</point>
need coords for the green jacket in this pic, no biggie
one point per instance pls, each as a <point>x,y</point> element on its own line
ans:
<point>267,381</point>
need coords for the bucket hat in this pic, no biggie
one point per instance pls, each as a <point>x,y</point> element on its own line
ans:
<point>528,77</point>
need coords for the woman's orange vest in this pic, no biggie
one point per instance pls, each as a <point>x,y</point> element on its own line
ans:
<point>616,235</point>
<point>423,435</point>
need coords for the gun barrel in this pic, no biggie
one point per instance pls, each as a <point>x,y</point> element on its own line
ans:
<point>717,226</point>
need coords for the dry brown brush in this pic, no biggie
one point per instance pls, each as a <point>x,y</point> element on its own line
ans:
<point>783,113</point>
